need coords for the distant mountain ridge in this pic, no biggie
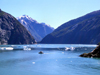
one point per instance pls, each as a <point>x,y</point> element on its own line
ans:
<point>37,30</point>
<point>12,32</point>
<point>83,30</point>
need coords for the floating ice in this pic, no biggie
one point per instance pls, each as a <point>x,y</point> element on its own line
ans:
<point>33,62</point>
<point>6,48</point>
<point>66,48</point>
<point>72,48</point>
<point>26,48</point>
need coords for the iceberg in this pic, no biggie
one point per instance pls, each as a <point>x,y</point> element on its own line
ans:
<point>6,48</point>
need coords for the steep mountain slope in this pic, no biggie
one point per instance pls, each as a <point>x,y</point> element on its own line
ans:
<point>12,32</point>
<point>83,30</point>
<point>38,30</point>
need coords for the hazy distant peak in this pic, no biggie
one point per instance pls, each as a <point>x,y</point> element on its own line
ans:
<point>46,25</point>
<point>37,30</point>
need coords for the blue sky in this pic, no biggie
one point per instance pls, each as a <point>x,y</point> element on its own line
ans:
<point>52,12</point>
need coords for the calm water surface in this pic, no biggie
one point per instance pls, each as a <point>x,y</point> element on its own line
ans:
<point>56,60</point>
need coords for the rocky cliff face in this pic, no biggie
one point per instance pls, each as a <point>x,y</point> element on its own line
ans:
<point>38,30</point>
<point>12,32</point>
<point>83,30</point>
<point>94,53</point>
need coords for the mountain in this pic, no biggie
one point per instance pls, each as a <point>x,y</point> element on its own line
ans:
<point>38,30</point>
<point>12,32</point>
<point>83,30</point>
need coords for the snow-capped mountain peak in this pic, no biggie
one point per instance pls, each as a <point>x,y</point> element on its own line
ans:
<point>26,17</point>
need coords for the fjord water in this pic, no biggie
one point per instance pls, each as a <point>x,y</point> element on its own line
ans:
<point>58,59</point>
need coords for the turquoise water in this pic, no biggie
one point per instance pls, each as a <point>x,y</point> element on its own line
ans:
<point>58,59</point>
